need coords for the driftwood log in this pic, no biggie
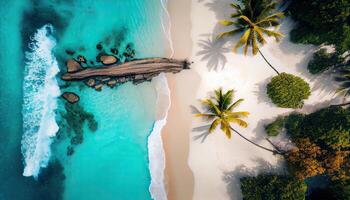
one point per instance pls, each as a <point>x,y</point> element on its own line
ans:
<point>132,68</point>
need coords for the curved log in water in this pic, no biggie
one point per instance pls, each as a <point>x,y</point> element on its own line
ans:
<point>132,68</point>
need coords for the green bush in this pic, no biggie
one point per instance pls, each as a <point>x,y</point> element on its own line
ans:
<point>328,127</point>
<point>323,61</point>
<point>272,187</point>
<point>293,124</point>
<point>341,189</point>
<point>321,22</point>
<point>288,91</point>
<point>275,127</point>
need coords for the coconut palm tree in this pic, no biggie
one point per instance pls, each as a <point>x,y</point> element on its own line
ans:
<point>253,22</point>
<point>220,112</point>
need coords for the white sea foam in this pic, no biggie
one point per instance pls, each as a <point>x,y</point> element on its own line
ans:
<point>156,153</point>
<point>40,92</point>
<point>155,143</point>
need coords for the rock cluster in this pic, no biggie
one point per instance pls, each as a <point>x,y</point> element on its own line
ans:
<point>98,82</point>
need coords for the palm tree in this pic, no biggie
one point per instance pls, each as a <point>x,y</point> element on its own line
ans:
<point>220,111</point>
<point>253,21</point>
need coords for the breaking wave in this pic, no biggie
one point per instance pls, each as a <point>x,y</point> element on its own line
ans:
<point>40,92</point>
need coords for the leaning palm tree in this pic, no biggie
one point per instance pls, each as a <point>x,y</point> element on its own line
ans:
<point>253,21</point>
<point>220,112</point>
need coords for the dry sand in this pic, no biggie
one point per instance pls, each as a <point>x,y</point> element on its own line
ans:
<point>216,162</point>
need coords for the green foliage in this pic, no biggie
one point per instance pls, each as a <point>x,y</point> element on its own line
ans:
<point>272,187</point>
<point>328,127</point>
<point>341,189</point>
<point>321,22</point>
<point>275,127</point>
<point>323,61</point>
<point>293,123</point>
<point>288,91</point>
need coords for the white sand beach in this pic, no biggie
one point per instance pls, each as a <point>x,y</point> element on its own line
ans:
<point>208,167</point>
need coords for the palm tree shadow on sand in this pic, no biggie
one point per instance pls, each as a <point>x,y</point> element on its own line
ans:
<point>203,130</point>
<point>212,52</point>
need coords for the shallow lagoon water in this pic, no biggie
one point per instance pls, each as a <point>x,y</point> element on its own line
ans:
<point>112,162</point>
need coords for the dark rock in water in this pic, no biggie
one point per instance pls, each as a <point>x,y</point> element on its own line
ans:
<point>73,66</point>
<point>92,62</point>
<point>70,97</point>
<point>70,52</point>
<point>91,82</point>
<point>112,83</point>
<point>81,59</point>
<point>122,80</point>
<point>114,51</point>
<point>70,150</point>
<point>139,77</point>
<point>98,87</point>
<point>108,60</point>
<point>99,46</point>
<point>105,79</point>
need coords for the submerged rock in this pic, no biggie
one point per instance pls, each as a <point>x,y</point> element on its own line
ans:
<point>81,59</point>
<point>73,65</point>
<point>71,97</point>
<point>91,82</point>
<point>99,46</point>
<point>98,87</point>
<point>112,83</point>
<point>108,60</point>
<point>70,52</point>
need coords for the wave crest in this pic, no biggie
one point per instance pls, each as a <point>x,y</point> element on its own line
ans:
<point>40,92</point>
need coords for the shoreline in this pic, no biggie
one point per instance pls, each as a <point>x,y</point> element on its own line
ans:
<point>179,179</point>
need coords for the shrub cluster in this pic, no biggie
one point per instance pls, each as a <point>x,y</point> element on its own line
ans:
<point>322,61</point>
<point>272,187</point>
<point>275,127</point>
<point>288,91</point>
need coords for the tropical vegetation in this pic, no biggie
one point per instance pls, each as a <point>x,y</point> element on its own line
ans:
<point>330,25</point>
<point>272,187</point>
<point>321,22</point>
<point>274,128</point>
<point>288,91</point>
<point>322,148</point>
<point>253,21</point>
<point>219,110</point>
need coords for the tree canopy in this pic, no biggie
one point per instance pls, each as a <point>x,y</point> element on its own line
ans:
<point>272,187</point>
<point>321,22</point>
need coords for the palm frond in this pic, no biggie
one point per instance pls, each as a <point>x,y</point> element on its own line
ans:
<point>214,124</point>
<point>209,116</point>
<point>225,127</point>
<point>243,40</point>
<point>238,121</point>
<point>238,114</point>
<point>246,19</point>
<point>229,33</point>
<point>235,104</point>
<point>274,34</point>
<point>212,106</point>
<point>226,22</point>
<point>226,100</point>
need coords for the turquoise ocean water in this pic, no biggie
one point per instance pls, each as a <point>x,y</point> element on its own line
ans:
<point>112,161</point>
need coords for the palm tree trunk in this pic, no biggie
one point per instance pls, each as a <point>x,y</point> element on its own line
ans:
<point>343,104</point>
<point>274,69</point>
<point>262,147</point>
